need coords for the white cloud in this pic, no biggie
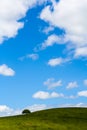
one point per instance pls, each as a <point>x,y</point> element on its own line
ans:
<point>11,11</point>
<point>4,108</point>
<point>85,82</point>
<point>81,104</point>
<point>69,15</point>
<point>47,95</point>
<point>37,107</point>
<point>32,56</point>
<point>57,61</point>
<point>74,105</point>
<point>7,111</point>
<point>41,95</point>
<point>50,41</point>
<point>72,85</point>
<point>82,93</point>
<point>6,71</point>
<point>80,52</point>
<point>51,83</point>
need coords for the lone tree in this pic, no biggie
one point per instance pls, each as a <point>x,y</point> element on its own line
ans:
<point>26,111</point>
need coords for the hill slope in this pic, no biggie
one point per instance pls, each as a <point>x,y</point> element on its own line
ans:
<point>52,119</point>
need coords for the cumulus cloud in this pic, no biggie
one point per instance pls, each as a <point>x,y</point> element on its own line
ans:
<point>11,12</point>
<point>6,71</point>
<point>69,15</point>
<point>72,85</point>
<point>58,61</point>
<point>47,95</point>
<point>51,83</point>
<point>82,93</point>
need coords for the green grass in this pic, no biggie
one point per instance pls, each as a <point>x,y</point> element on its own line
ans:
<point>52,119</point>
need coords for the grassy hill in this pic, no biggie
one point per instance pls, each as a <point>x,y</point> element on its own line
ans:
<point>52,119</point>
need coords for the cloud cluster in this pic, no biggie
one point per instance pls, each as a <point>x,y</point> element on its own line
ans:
<point>52,84</point>
<point>69,15</point>
<point>6,71</point>
<point>43,95</point>
<point>7,111</point>
<point>47,95</point>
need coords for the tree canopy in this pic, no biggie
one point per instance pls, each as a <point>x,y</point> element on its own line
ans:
<point>26,111</point>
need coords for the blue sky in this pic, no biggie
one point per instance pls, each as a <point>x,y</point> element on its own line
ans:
<point>43,54</point>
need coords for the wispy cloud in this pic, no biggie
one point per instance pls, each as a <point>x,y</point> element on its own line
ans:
<point>32,56</point>
<point>58,61</point>
<point>81,104</point>
<point>72,85</point>
<point>71,97</point>
<point>50,41</point>
<point>51,83</point>
<point>46,30</point>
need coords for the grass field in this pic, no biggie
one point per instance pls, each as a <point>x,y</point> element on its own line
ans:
<point>52,119</point>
